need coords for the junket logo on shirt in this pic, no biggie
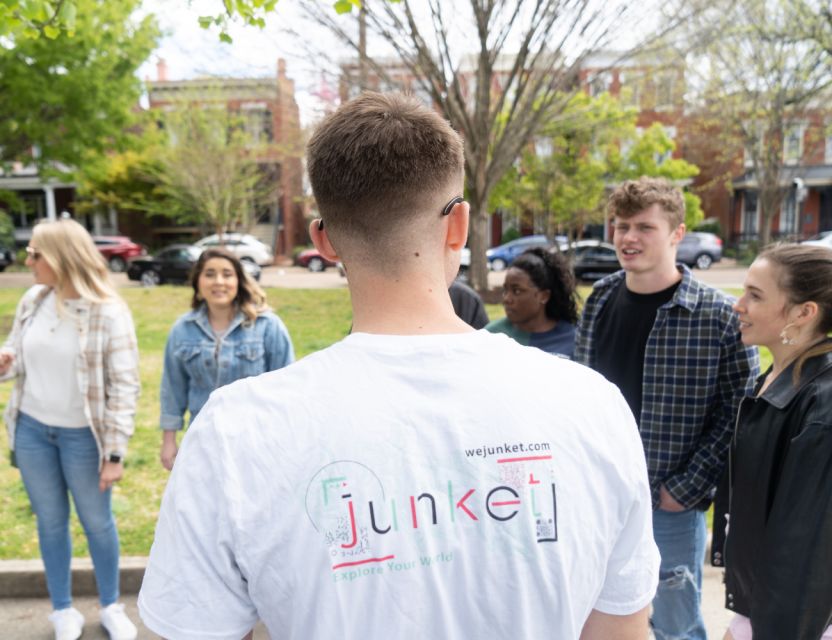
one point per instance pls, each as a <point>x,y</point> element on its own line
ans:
<point>358,517</point>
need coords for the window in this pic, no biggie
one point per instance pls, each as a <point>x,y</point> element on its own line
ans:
<point>664,91</point>
<point>788,214</point>
<point>600,83</point>
<point>749,213</point>
<point>793,144</point>
<point>630,93</point>
<point>827,154</point>
<point>257,123</point>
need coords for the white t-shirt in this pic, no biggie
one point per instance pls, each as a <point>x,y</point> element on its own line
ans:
<point>51,393</point>
<point>447,486</point>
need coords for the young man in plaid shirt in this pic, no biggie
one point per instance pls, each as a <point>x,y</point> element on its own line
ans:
<point>672,345</point>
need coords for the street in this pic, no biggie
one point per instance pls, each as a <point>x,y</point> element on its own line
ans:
<point>723,275</point>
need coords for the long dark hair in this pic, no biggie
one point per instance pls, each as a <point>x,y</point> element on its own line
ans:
<point>250,298</point>
<point>804,274</point>
<point>551,271</point>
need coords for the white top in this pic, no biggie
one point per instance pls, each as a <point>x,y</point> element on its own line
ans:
<point>51,393</point>
<point>449,486</point>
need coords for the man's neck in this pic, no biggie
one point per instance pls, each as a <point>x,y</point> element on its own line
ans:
<point>408,304</point>
<point>653,281</point>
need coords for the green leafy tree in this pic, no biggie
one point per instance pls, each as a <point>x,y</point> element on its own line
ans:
<point>73,95</point>
<point>651,155</point>
<point>562,182</point>
<point>207,171</point>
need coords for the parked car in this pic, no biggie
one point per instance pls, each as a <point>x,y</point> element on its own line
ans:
<point>593,259</point>
<point>173,265</point>
<point>6,258</point>
<point>699,249</point>
<point>117,250</point>
<point>823,239</point>
<point>501,257</point>
<point>314,261</point>
<point>244,246</point>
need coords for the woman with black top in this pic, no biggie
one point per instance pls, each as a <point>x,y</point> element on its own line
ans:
<point>778,554</point>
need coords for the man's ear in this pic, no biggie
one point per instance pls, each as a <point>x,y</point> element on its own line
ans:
<point>458,226</point>
<point>321,241</point>
<point>679,233</point>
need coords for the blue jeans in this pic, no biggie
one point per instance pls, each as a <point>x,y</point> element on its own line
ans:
<point>56,461</point>
<point>676,607</point>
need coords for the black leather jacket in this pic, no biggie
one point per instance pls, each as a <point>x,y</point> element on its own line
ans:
<point>778,555</point>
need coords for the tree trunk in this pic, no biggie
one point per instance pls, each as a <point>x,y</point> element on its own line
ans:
<point>478,243</point>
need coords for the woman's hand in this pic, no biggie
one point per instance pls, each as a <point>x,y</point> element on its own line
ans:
<point>111,473</point>
<point>169,449</point>
<point>6,361</point>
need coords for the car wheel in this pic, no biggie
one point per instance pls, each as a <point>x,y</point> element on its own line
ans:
<point>117,264</point>
<point>150,278</point>
<point>703,261</point>
<point>316,265</point>
<point>498,264</point>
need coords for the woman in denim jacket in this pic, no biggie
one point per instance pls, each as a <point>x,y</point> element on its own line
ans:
<point>229,334</point>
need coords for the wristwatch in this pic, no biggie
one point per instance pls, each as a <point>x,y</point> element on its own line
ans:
<point>114,457</point>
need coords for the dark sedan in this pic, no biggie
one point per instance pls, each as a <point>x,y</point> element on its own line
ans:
<point>593,259</point>
<point>6,257</point>
<point>173,265</point>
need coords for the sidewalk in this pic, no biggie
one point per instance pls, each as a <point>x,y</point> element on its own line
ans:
<point>23,617</point>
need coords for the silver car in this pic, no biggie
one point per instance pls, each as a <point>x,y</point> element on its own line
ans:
<point>699,249</point>
<point>242,245</point>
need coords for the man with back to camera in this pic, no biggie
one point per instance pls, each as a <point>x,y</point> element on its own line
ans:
<point>394,485</point>
<point>672,345</point>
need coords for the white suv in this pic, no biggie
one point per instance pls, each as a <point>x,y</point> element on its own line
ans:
<point>242,245</point>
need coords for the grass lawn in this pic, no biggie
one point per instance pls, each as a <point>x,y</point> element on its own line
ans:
<point>315,318</point>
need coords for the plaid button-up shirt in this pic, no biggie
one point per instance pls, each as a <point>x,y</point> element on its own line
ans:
<point>107,374</point>
<point>696,371</point>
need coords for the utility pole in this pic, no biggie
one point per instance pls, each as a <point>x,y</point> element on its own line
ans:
<point>362,47</point>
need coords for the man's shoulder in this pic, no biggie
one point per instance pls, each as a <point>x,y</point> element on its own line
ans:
<point>705,300</point>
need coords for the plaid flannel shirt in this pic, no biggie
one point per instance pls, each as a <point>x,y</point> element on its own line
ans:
<point>696,371</point>
<point>108,369</point>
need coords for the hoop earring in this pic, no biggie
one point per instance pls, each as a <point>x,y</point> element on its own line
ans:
<point>784,337</point>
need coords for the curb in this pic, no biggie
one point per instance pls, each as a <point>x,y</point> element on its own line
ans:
<point>26,578</point>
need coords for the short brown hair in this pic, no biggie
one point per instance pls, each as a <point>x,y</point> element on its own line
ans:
<point>634,196</point>
<point>379,161</point>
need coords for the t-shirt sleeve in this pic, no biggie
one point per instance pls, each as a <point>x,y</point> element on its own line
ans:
<point>633,565</point>
<point>193,586</point>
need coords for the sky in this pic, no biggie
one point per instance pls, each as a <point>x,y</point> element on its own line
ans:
<point>310,51</point>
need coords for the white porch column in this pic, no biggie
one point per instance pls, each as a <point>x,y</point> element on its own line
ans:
<point>113,220</point>
<point>49,191</point>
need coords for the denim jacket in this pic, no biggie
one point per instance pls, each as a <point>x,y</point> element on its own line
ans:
<point>197,362</point>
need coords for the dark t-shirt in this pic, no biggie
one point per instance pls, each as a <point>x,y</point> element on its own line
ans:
<point>468,304</point>
<point>621,333</point>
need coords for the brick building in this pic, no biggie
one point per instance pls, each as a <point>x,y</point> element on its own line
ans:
<point>269,114</point>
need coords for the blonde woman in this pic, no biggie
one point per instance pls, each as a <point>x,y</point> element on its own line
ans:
<point>229,334</point>
<point>72,352</point>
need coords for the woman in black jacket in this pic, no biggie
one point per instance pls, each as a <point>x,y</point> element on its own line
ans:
<point>778,554</point>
